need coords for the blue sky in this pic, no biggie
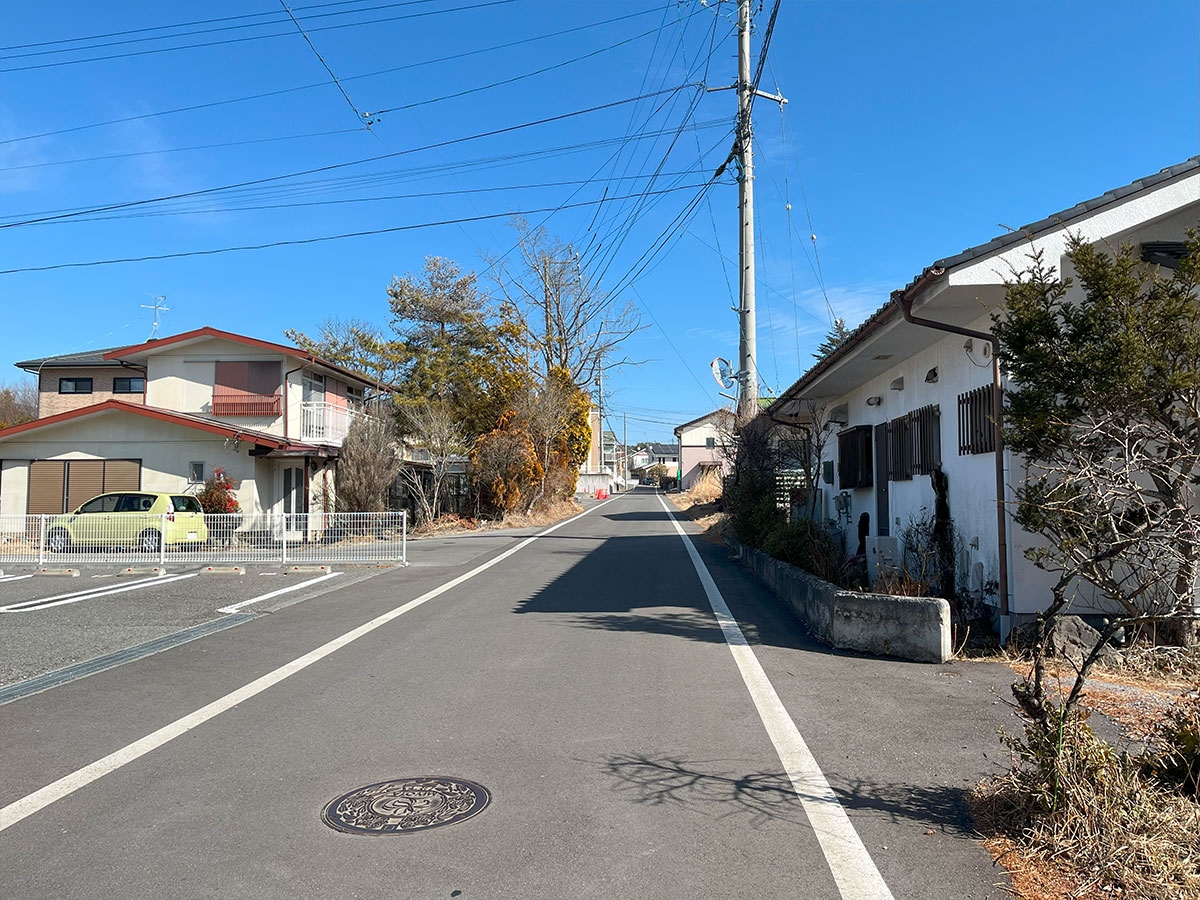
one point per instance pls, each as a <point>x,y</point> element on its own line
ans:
<point>913,129</point>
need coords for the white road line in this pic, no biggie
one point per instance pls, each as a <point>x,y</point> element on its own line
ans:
<point>8,578</point>
<point>28,805</point>
<point>64,599</point>
<point>295,587</point>
<point>853,869</point>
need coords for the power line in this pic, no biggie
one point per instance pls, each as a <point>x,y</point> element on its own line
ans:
<point>254,37</point>
<point>313,47</point>
<point>335,166</point>
<point>313,240</point>
<point>305,87</point>
<point>96,37</point>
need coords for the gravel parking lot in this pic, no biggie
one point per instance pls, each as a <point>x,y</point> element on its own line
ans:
<point>48,623</point>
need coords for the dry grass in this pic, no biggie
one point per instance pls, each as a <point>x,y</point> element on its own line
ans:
<point>1110,832</point>
<point>700,504</point>
<point>449,523</point>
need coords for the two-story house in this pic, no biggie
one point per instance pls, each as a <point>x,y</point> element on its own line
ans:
<point>704,446</point>
<point>164,415</point>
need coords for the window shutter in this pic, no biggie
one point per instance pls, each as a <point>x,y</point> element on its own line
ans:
<point>47,477</point>
<point>122,475</point>
<point>85,479</point>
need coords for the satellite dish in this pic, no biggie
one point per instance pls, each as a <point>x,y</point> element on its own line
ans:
<point>723,372</point>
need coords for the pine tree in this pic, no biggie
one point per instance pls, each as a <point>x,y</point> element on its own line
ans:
<point>836,336</point>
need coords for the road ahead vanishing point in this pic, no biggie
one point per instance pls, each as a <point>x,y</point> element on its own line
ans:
<point>607,708</point>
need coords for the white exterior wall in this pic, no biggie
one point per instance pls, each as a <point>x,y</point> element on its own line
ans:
<point>165,450</point>
<point>693,449</point>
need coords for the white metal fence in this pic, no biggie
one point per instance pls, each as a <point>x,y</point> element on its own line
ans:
<point>159,538</point>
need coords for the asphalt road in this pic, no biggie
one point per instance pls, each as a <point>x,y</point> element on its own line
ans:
<point>583,678</point>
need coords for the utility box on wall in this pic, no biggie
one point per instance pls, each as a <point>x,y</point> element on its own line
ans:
<point>883,557</point>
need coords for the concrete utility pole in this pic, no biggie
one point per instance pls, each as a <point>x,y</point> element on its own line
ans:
<point>747,328</point>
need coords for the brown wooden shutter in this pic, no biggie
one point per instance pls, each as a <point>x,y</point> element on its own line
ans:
<point>85,479</point>
<point>232,379</point>
<point>122,475</point>
<point>263,378</point>
<point>46,480</point>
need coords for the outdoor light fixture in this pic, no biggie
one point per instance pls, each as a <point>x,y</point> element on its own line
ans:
<point>874,401</point>
<point>898,384</point>
<point>931,376</point>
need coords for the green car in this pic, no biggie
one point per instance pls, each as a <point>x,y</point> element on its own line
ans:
<point>141,520</point>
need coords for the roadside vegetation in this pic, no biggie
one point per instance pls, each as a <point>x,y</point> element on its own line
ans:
<point>487,419</point>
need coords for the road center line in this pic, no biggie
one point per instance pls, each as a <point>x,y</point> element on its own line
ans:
<point>28,805</point>
<point>294,587</point>
<point>63,599</point>
<point>853,869</point>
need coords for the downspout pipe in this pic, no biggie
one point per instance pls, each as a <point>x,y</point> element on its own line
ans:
<point>904,299</point>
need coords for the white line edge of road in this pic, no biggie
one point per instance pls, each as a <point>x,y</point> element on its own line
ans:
<point>90,594</point>
<point>853,869</point>
<point>7,578</point>
<point>287,590</point>
<point>28,805</point>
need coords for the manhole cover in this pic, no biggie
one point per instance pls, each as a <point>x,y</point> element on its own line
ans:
<point>406,804</point>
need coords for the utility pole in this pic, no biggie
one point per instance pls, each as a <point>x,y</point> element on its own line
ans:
<point>743,152</point>
<point>747,328</point>
<point>625,447</point>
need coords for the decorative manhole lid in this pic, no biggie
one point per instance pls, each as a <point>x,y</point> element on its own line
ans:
<point>404,805</point>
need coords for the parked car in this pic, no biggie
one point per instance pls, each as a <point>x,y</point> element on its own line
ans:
<point>142,520</point>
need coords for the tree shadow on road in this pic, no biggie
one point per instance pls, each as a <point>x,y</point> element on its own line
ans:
<point>762,797</point>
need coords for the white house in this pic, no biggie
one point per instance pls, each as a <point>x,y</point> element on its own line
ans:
<point>164,415</point>
<point>908,398</point>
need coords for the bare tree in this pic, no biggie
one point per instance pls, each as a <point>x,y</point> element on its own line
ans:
<point>440,442</point>
<point>18,403</point>
<point>562,319</point>
<point>368,465</point>
<point>550,413</point>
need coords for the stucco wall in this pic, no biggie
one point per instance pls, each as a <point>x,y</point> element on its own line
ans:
<point>165,450</point>
<point>51,402</point>
<point>693,450</point>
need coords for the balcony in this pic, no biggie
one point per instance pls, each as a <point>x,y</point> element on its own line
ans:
<point>259,405</point>
<point>325,423</point>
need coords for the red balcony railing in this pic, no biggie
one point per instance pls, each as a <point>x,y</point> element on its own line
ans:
<point>247,405</point>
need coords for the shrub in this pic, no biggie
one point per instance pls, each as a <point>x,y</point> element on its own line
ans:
<point>217,495</point>
<point>1178,762</point>
<point>814,547</point>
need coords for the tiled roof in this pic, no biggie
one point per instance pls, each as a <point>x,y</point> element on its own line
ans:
<point>82,358</point>
<point>664,449</point>
<point>1023,233</point>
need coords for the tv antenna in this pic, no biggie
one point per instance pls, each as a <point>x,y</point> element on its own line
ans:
<point>159,299</point>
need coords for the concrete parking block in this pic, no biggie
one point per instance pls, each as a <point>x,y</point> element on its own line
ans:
<point>223,570</point>
<point>60,573</point>
<point>142,570</point>
<point>307,570</point>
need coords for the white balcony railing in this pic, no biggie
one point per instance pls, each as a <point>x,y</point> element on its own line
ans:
<point>325,423</point>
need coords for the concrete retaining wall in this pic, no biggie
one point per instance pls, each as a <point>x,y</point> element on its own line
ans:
<point>916,628</point>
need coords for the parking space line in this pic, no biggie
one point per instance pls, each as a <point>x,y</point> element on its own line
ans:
<point>854,872</point>
<point>21,809</point>
<point>295,587</point>
<point>92,594</point>
<point>8,578</point>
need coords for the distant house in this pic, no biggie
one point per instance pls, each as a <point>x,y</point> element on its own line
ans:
<point>704,446</point>
<point>164,415</point>
<point>665,455</point>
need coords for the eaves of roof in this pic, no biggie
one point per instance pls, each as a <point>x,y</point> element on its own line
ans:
<point>209,331</point>
<point>258,438</point>
<point>708,415</point>
<point>937,268</point>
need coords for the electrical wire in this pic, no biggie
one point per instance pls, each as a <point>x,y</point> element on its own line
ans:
<point>254,37</point>
<point>304,241</point>
<point>319,84</point>
<point>335,166</point>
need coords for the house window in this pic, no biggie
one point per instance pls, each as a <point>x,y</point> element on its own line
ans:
<point>129,385</point>
<point>975,432</point>
<point>926,425</point>
<point>74,385</point>
<point>246,389</point>
<point>854,458</point>
<point>195,472</point>
<point>710,443</point>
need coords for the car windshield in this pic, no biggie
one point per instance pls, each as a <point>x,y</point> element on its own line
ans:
<point>105,503</point>
<point>184,503</point>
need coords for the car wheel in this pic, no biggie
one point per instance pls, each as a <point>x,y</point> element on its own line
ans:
<point>149,541</point>
<point>59,540</point>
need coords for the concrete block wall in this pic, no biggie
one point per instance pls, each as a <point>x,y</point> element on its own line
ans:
<point>913,628</point>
